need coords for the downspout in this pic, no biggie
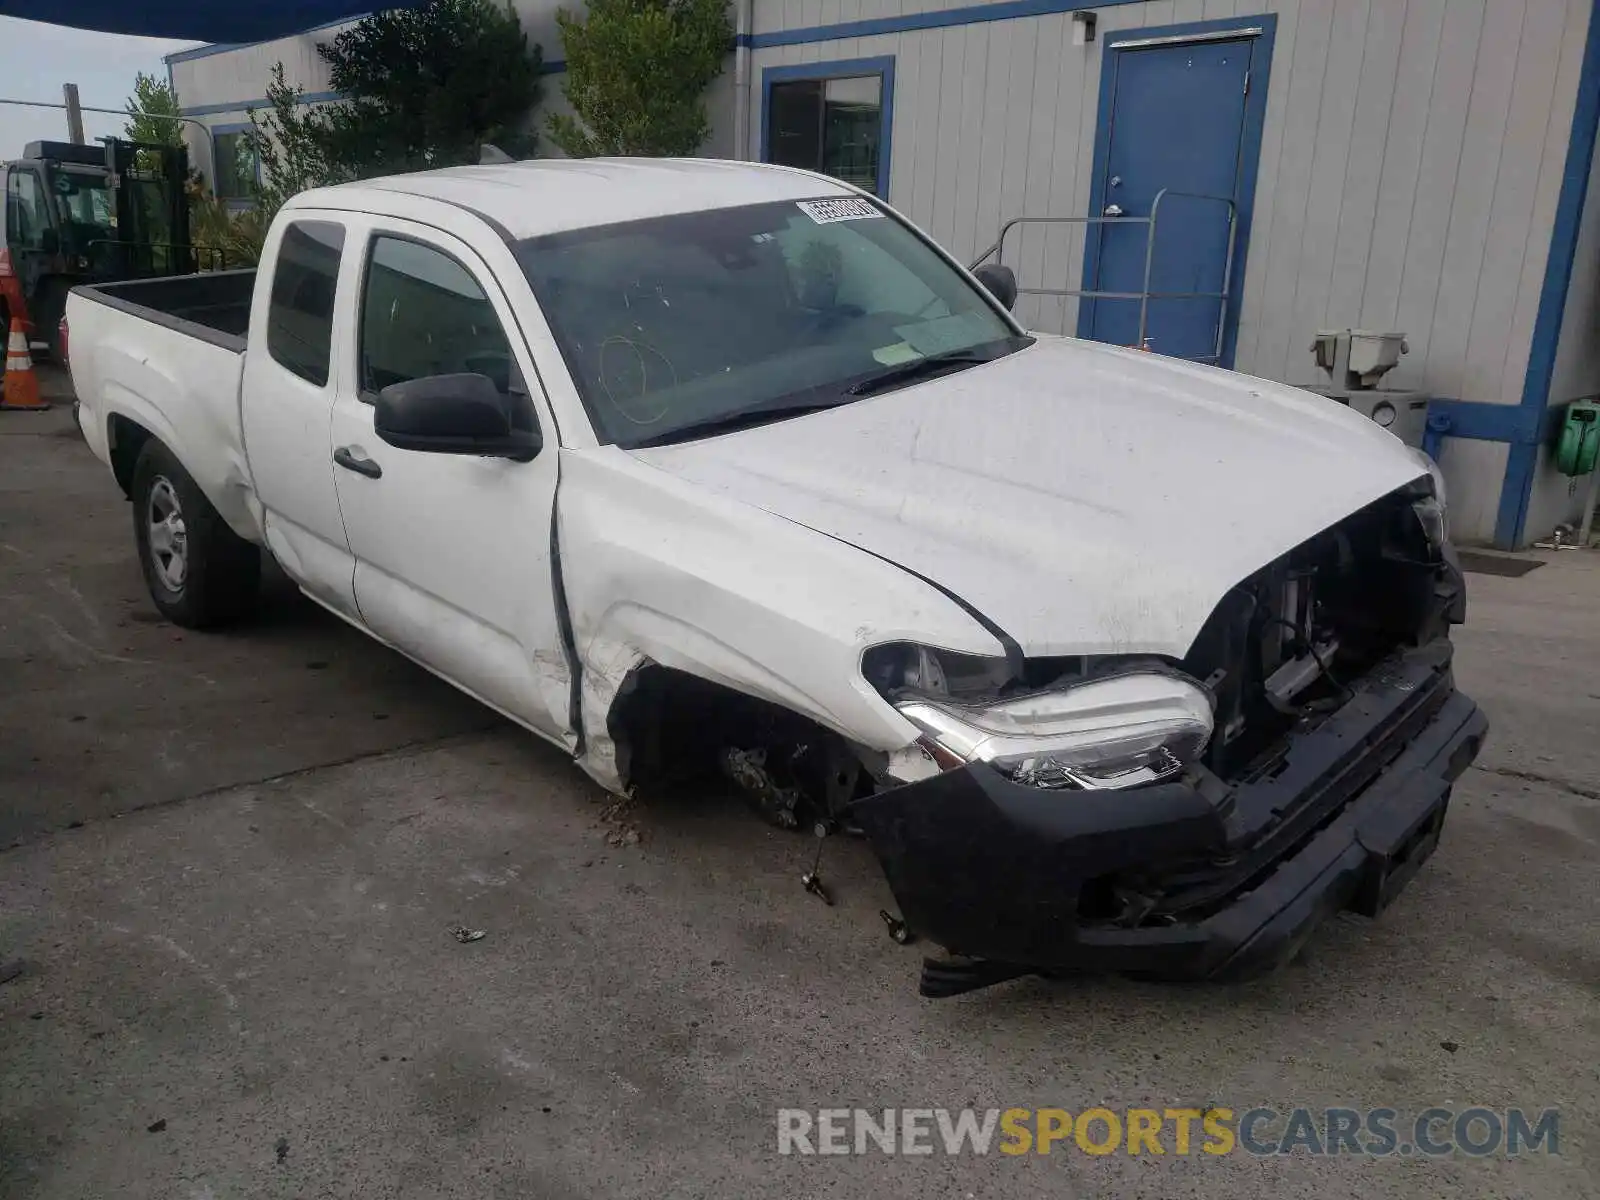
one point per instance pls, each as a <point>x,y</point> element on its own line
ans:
<point>743,19</point>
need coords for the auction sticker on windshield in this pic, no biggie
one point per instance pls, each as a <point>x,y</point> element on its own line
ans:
<point>826,212</point>
<point>958,331</point>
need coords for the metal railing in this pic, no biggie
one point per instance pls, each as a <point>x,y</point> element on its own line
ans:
<point>997,252</point>
<point>133,258</point>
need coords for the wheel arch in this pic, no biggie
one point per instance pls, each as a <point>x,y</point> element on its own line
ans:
<point>125,438</point>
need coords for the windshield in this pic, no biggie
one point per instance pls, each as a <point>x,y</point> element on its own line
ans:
<point>84,203</point>
<point>674,323</point>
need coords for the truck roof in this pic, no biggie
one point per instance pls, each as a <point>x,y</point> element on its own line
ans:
<point>551,195</point>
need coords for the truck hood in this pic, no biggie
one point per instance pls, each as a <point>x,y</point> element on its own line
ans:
<point>1085,499</point>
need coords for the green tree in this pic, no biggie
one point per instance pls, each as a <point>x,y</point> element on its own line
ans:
<point>637,71</point>
<point>426,87</point>
<point>152,112</point>
<point>290,142</point>
<point>288,139</point>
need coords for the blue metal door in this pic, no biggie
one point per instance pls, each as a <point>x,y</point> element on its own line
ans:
<point>1172,120</point>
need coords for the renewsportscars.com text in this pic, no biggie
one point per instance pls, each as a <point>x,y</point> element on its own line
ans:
<point>1377,1132</point>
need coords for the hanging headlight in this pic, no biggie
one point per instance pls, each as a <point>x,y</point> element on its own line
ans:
<point>1432,510</point>
<point>1115,732</point>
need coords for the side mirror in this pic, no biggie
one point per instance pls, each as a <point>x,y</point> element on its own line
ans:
<point>453,414</point>
<point>1001,282</point>
<point>50,241</point>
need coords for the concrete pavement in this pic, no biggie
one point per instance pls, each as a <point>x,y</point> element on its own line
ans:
<point>234,885</point>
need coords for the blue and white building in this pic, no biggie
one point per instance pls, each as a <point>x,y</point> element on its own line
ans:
<point>1416,165</point>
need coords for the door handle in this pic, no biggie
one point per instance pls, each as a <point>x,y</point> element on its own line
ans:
<point>1113,210</point>
<point>347,459</point>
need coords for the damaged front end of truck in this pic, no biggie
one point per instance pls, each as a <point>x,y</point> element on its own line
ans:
<point>1193,818</point>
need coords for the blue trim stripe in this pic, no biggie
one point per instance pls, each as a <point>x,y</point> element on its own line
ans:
<point>228,106</point>
<point>1255,116</point>
<point>1486,422</point>
<point>838,69</point>
<point>972,14</point>
<point>1522,462</point>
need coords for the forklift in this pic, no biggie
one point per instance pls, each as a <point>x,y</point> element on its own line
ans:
<point>88,214</point>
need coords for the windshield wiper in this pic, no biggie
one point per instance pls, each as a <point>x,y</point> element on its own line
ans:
<point>744,418</point>
<point>917,369</point>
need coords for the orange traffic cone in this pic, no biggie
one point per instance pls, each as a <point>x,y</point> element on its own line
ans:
<point>21,384</point>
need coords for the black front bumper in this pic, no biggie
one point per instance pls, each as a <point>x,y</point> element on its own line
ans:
<point>997,873</point>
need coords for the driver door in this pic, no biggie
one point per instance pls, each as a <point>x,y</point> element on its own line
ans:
<point>452,552</point>
<point>31,235</point>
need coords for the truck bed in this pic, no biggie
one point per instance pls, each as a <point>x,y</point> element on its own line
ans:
<point>165,357</point>
<point>213,305</point>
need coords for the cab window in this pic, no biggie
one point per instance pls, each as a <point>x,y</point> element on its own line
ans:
<point>27,213</point>
<point>300,314</point>
<point>422,313</point>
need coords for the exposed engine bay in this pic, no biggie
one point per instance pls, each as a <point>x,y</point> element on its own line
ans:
<point>1280,651</point>
<point>1285,645</point>
<point>1282,647</point>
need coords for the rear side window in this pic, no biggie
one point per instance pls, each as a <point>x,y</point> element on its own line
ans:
<point>300,316</point>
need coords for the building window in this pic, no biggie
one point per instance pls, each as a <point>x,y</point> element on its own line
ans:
<point>832,117</point>
<point>300,313</point>
<point>233,154</point>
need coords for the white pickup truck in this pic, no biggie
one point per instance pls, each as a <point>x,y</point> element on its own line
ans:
<point>1119,662</point>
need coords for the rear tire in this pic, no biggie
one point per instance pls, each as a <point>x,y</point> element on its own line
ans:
<point>200,573</point>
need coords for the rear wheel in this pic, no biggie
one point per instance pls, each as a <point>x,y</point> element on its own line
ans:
<point>200,573</point>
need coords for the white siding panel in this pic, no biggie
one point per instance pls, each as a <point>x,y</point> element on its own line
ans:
<point>1397,187</point>
<point>1472,475</point>
<point>976,88</point>
<point>991,158</point>
<point>719,141</point>
<point>1013,182</point>
<point>1369,135</point>
<point>931,50</point>
<point>957,95</point>
<point>909,118</point>
<point>1436,177</point>
<point>875,9</point>
<point>1516,182</point>
<point>1472,195</point>
<point>242,75</point>
<point>1071,159</point>
<point>1260,247</point>
<point>1335,120</point>
<point>1552,166</point>
<point>1307,59</point>
<point>1553,500</point>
